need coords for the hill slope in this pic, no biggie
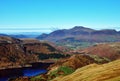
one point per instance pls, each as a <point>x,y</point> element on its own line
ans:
<point>16,52</point>
<point>94,72</point>
<point>109,50</point>
<point>77,61</point>
<point>66,67</point>
<point>12,52</point>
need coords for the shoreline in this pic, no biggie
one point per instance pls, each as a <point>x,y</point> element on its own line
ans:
<point>30,65</point>
<point>11,71</point>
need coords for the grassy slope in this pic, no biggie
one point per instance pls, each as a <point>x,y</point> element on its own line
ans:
<point>94,72</point>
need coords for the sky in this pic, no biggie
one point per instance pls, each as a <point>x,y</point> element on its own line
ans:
<point>49,15</point>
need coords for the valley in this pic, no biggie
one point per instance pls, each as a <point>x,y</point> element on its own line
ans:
<point>63,55</point>
<point>59,40</point>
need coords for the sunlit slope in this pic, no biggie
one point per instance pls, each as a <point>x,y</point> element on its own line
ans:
<point>94,72</point>
<point>108,50</point>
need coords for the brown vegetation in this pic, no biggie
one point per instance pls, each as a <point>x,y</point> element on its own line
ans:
<point>14,55</point>
<point>94,72</point>
<point>16,52</point>
<point>110,50</point>
<point>74,61</point>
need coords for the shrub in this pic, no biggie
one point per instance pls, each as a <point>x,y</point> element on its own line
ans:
<point>67,70</point>
<point>63,70</point>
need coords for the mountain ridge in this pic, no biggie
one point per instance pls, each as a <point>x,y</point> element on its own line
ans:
<point>76,32</point>
<point>79,37</point>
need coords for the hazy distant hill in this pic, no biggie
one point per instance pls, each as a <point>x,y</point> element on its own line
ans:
<point>20,36</point>
<point>81,34</point>
<point>1,34</point>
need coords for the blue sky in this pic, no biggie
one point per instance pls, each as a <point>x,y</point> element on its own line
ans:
<point>47,15</point>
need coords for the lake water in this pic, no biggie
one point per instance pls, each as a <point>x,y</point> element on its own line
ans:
<point>26,72</point>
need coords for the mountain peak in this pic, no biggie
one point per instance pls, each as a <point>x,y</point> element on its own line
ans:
<point>82,28</point>
<point>79,27</point>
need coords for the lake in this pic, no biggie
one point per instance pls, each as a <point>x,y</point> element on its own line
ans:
<point>25,72</point>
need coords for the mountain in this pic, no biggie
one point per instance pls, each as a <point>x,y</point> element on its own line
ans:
<point>62,34</point>
<point>80,35</point>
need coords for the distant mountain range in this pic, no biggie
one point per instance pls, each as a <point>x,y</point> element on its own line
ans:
<point>25,34</point>
<point>76,37</point>
<point>22,34</point>
<point>80,33</point>
<point>3,34</point>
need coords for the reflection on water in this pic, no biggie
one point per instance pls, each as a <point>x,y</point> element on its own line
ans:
<point>33,72</point>
<point>27,72</point>
<point>4,79</point>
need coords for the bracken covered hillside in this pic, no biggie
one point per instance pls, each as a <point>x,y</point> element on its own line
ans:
<point>67,68</point>
<point>12,53</point>
<point>94,72</point>
<point>16,52</point>
<point>109,50</point>
<point>74,61</point>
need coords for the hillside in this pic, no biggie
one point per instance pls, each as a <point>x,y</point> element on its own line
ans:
<point>94,72</point>
<point>77,61</point>
<point>80,36</point>
<point>12,52</point>
<point>16,52</point>
<point>96,55</point>
<point>64,67</point>
<point>109,50</point>
<point>8,39</point>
